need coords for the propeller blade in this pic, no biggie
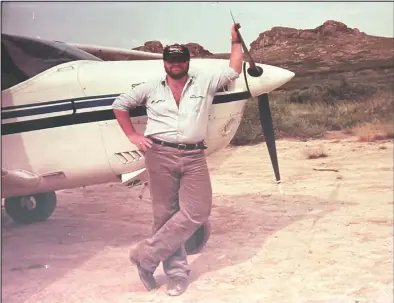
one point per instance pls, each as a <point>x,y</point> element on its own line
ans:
<point>268,131</point>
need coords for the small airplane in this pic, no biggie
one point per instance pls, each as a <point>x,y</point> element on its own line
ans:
<point>59,131</point>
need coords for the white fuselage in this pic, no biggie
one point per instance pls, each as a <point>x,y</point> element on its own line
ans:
<point>77,141</point>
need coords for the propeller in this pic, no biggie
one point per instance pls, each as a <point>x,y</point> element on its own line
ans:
<point>264,111</point>
<point>253,70</point>
<point>269,134</point>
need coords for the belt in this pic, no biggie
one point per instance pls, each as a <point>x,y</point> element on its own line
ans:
<point>180,146</point>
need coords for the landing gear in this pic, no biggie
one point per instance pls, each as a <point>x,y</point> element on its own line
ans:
<point>30,209</point>
<point>198,240</point>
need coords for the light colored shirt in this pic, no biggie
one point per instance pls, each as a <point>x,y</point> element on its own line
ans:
<point>167,122</point>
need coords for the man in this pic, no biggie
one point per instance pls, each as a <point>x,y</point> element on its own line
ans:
<point>177,106</point>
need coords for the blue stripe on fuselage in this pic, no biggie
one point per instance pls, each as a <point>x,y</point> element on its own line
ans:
<point>81,117</point>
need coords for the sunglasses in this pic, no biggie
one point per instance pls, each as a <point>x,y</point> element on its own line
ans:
<point>176,59</point>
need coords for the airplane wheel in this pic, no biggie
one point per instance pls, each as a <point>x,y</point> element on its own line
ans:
<point>198,240</point>
<point>29,209</point>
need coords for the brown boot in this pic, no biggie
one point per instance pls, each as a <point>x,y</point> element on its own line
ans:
<point>177,286</point>
<point>146,276</point>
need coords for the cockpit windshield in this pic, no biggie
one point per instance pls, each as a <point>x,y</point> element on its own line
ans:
<point>24,57</point>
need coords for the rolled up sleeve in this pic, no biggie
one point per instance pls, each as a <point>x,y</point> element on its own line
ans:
<point>135,97</point>
<point>223,77</point>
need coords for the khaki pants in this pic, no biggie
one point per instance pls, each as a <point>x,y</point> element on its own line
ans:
<point>181,193</point>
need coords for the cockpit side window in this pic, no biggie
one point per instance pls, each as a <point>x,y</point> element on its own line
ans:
<point>23,58</point>
<point>10,73</point>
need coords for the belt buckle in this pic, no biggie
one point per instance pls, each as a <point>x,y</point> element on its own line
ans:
<point>181,144</point>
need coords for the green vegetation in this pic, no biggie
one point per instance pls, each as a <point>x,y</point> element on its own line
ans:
<point>311,112</point>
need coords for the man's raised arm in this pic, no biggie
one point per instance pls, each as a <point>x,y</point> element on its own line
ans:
<point>222,77</point>
<point>236,55</point>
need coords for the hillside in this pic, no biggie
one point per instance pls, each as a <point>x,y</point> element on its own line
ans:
<point>334,67</point>
<point>325,53</point>
<point>330,51</point>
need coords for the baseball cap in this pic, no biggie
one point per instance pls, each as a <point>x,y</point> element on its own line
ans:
<point>176,52</point>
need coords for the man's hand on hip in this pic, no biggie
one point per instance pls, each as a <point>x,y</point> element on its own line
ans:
<point>141,141</point>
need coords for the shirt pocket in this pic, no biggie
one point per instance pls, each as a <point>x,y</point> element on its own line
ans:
<point>158,106</point>
<point>197,101</point>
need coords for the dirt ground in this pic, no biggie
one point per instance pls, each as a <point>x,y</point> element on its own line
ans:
<point>328,238</point>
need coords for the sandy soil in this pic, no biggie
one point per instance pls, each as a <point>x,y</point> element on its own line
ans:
<point>329,238</point>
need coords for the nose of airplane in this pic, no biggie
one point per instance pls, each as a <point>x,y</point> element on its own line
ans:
<point>271,78</point>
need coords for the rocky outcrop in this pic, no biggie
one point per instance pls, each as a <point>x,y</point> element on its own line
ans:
<point>324,48</point>
<point>330,29</point>
<point>151,46</point>
<point>330,50</point>
<point>196,50</point>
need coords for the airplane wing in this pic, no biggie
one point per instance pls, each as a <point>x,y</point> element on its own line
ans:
<point>134,177</point>
<point>113,53</point>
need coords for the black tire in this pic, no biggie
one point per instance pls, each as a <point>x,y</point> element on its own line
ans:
<point>19,213</point>
<point>198,240</point>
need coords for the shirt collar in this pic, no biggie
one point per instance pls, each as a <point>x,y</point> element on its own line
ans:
<point>190,79</point>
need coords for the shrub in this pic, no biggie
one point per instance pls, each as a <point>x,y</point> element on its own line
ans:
<point>332,92</point>
<point>374,131</point>
<point>312,120</point>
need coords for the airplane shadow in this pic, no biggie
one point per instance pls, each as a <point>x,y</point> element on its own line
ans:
<point>95,227</point>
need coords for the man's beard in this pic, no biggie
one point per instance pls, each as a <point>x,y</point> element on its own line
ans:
<point>177,76</point>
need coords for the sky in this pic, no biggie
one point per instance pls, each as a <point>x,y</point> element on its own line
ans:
<point>131,24</point>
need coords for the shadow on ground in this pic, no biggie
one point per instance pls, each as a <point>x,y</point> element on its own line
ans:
<point>241,225</point>
<point>112,218</point>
